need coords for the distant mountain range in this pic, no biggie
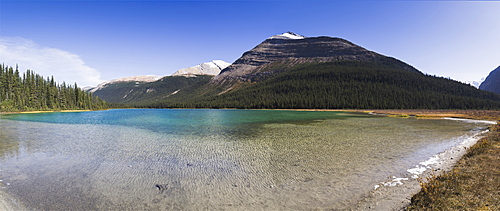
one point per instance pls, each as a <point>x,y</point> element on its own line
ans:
<point>475,83</point>
<point>128,89</point>
<point>293,71</point>
<point>492,82</point>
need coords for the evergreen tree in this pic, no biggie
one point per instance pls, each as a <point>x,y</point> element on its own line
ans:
<point>33,92</point>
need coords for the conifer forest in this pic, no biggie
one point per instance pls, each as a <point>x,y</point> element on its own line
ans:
<point>29,91</point>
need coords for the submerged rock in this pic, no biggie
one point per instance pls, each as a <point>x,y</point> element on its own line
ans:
<point>162,187</point>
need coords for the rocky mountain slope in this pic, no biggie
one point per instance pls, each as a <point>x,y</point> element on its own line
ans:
<point>492,82</point>
<point>292,49</point>
<point>208,68</point>
<point>136,79</point>
<point>134,92</point>
<point>294,71</point>
<point>137,88</point>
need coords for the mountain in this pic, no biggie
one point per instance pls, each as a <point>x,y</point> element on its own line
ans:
<point>475,83</point>
<point>293,71</point>
<point>492,82</point>
<point>136,79</point>
<point>208,68</point>
<point>134,92</point>
<point>292,49</point>
<point>136,89</point>
<point>337,85</point>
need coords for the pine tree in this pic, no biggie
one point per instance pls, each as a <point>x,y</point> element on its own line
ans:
<point>33,92</point>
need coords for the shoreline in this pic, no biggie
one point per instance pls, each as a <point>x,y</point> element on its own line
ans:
<point>396,194</point>
<point>401,113</point>
<point>422,113</point>
<point>9,203</point>
<point>50,111</point>
<point>385,197</point>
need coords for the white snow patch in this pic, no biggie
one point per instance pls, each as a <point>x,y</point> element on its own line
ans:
<point>417,171</point>
<point>433,160</point>
<point>444,159</point>
<point>395,181</point>
<point>475,83</point>
<point>208,68</point>
<point>288,36</point>
<point>438,161</point>
<point>472,121</point>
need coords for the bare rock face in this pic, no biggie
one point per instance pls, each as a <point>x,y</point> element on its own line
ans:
<point>292,49</point>
<point>492,82</point>
<point>208,68</point>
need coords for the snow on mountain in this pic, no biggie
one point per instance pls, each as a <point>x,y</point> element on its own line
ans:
<point>492,81</point>
<point>287,36</point>
<point>475,83</point>
<point>208,68</point>
<point>141,78</point>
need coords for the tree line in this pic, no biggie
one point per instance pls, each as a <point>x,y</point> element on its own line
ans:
<point>346,85</point>
<point>29,91</point>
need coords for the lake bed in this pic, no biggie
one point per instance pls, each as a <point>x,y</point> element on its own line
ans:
<point>213,159</point>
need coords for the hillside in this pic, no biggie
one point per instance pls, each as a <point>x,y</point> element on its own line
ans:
<point>293,71</point>
<point>151,88</point>
<point>347,84</point>
<point>492,82</point>
<point>135,92</point>
<point>253,64</point>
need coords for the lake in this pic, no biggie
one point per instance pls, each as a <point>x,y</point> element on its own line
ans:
<point>206,159</point>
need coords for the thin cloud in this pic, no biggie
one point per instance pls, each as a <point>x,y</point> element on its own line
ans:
<point>63,65</point>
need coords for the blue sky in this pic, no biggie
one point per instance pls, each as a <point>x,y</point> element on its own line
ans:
<point>92,41</point>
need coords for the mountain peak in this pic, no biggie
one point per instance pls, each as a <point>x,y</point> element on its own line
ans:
<point>491,83</point>
<point>208,68</point>
<point>293,49</point>
<point>288,36</point>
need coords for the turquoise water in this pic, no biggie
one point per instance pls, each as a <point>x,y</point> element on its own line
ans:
<point>179,121</point>
<point>210,159</point>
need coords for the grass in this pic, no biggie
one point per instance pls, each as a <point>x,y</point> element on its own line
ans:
<point>469,114</point>
<point>473,184</point>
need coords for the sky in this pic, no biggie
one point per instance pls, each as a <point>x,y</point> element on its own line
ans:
<point>90,41</point>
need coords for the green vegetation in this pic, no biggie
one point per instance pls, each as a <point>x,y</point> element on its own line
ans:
<point>32,92</point>
<point>473,184</point>
<point>335,85</point>
<point>142,93</point>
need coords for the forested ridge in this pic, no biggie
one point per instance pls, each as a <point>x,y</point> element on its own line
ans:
<point>29,91</point>
<point>134,92</point>
<point>342,85</point>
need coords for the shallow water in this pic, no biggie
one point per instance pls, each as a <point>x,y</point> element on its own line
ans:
<point>210,159</point>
